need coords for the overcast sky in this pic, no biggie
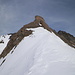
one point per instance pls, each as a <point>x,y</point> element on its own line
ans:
<point>58,14</point>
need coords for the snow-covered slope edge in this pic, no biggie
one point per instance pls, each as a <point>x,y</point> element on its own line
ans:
<point>3,42</point>
<point>17,37</point>
<point>41,53</point>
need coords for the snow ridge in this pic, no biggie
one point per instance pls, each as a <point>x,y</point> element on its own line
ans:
<point>17,37</point>
<point>41,53</point>
<point>36,49</point>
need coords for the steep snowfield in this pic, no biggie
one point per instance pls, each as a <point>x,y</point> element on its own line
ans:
<point>42,53</point>
<point>5,39</point>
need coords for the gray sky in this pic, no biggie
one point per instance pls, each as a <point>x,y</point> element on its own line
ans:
<point>58,14</point>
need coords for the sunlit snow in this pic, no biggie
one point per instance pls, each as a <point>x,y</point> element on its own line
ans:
<point>5,39</point>
<point>41,53</point>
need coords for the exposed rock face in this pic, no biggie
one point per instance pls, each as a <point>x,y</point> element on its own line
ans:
<point>1,41</point>
<point>39,18</point>
<point>68,38</point>
<point>16,38</point>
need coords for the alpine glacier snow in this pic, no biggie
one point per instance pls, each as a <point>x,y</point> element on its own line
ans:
<point>41,53</point>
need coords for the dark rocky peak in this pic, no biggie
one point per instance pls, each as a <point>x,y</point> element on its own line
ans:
<point>67,35</point>
<point>39,20</point>
<point>68,38</point>
<point>16,38</point>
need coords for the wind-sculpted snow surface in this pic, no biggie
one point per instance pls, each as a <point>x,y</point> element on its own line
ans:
<point>41,53</point>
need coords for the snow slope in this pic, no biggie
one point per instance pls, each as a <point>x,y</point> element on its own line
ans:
<point>5,39</point>
<point>42,53</point>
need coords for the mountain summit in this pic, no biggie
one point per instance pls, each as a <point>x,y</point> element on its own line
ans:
<point>36,49</point>
<point>23,32</point>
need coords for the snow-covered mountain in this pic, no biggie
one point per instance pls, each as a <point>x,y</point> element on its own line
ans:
<point>36,50</point>
<point>3,42</point>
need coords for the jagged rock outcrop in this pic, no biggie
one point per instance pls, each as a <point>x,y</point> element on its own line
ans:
<point>68,38</point>
<point>16,38</point>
